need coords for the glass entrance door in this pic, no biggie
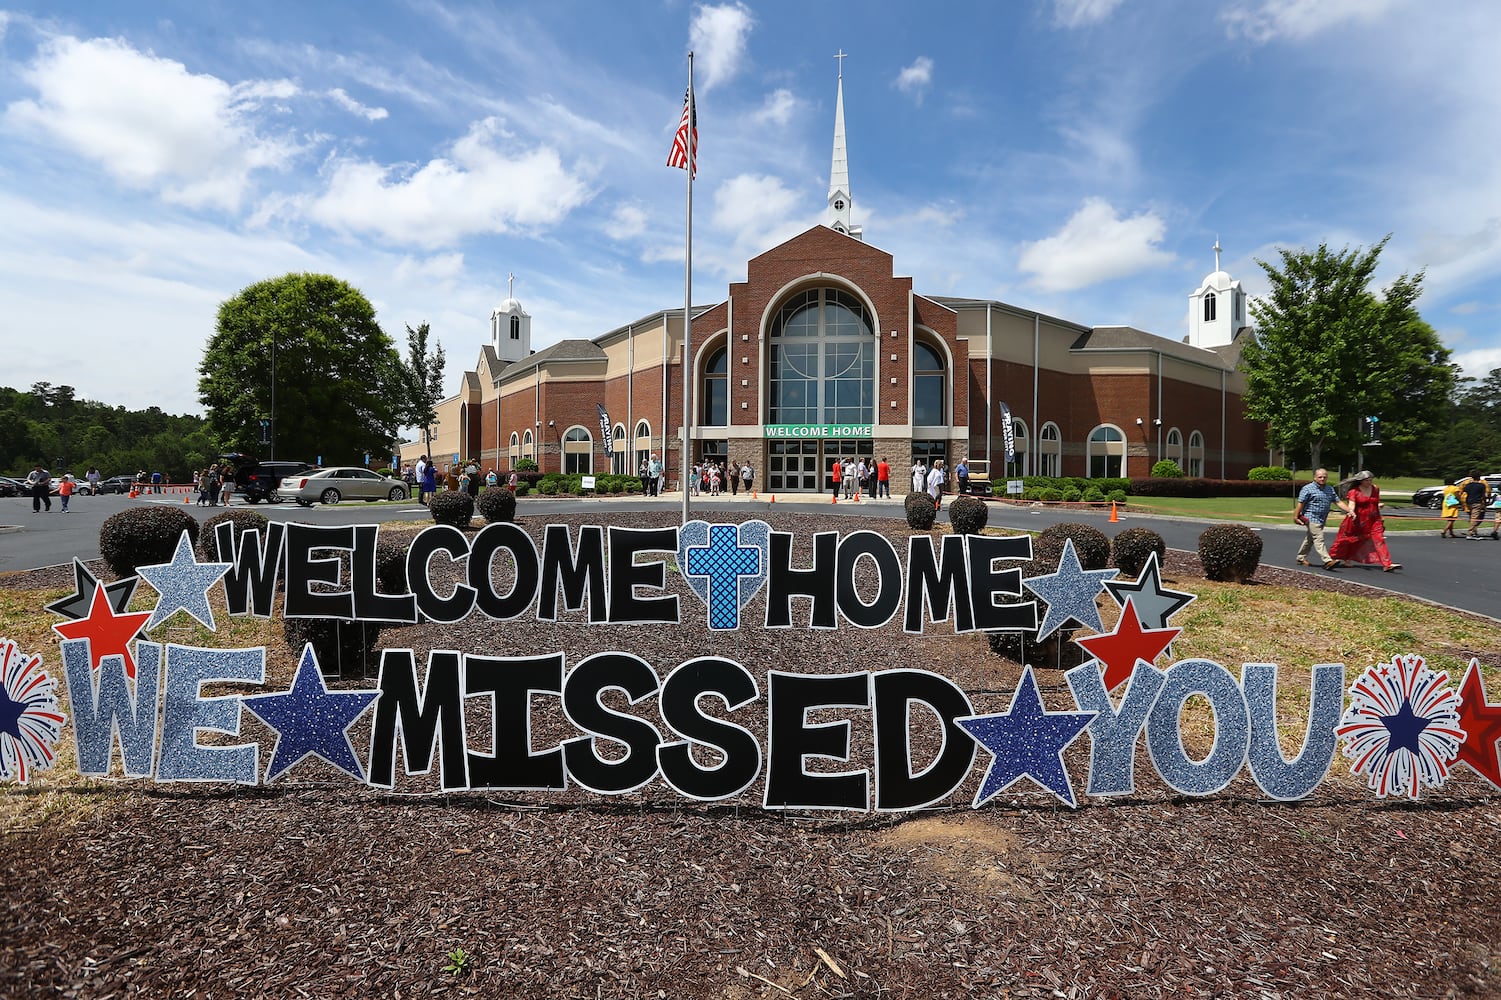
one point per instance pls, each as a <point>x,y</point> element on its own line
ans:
<point>792,467</point>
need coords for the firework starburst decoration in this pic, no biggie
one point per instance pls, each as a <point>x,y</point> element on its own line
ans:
<point>1401,730</point>
<point>29,719</point>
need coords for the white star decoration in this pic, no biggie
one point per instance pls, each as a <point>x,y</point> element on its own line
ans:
<point>184,584</point>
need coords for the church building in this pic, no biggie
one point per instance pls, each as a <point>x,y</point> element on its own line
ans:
<point>826,351</point>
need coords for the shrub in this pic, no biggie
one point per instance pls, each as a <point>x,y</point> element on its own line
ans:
<point>1116,496</point>
<point>496,504</point>
<point>523,489</point>
<point>243,520</point>
<point>920,511</point>
<point>452,507</point>
<point>526,465</point>
<point>144,536</point>
<point>1094,494</point>
<point>344,646</point>
<point>548,487</point>
<point>1131,548</point>
<point>1230,552</point>
<point>1167,469</point>
<point>968,515</point>
<point>1090,543</point>
<point>1273,472</point>
<point>1050,494</point>
<point>1072,494</point>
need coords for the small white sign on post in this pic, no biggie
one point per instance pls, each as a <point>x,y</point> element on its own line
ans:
<point>588,483</point>
<point>1014,487</point>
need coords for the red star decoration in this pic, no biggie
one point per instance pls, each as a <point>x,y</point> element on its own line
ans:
<point>109,634</point>
<point>1481,722</point>
<point>1119,650</point>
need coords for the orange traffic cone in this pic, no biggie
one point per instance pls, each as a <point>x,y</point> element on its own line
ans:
<point>773,498</point>
<point>1114,517</point>
<point>186,498</point>
<point>857,495</point>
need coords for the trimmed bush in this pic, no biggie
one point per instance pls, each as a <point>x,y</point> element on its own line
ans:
<point>1094,494</point>
<point>391,564</point>
<point>548,488</point>
<point>1050,494</point>
<point>496,504</point>
<point>1130,549</point>
<point>1072,494</point>
<point>968,515</point>
<point>144,536</point>
<point>451,507</point>
<point>345,646</point>
<point>1230,552</point>
<point>1117,496</point>
<point>526,465</point>
<point>1167,469</point>
<point>1275,473</point>
<point>1090,543</point>
<point>243,520</point>
<point>523,489</point>
<point>920,511</point>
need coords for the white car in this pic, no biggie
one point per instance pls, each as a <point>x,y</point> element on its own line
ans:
<point>341,483</point>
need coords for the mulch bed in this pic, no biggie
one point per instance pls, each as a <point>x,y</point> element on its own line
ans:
<point>316,887</point>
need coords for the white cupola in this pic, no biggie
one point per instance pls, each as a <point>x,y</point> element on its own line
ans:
<point>1216,309</point>
<point>511,328</point>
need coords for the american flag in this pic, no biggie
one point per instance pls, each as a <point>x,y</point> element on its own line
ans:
<point>678,157</point>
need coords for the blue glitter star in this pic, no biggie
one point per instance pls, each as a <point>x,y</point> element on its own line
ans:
<point>310,719</point>
<point>1070,593</point>
<point>1026,741</point>
<point>184,584</point>
<point>1154,604</point>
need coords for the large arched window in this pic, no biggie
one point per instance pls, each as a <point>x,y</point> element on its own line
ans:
<point>578,451</point>
<point>1209,307</point>
<point>528,450</point>
<point>1174,449</point>
<point>929,386</point>
<point>1107,452</point>
<point>821,368</point>
<point>1019,444</point>
<point>1195,454</point>
<point>716,391</point>
<point>641,446</point>
<point>1050,451</point>
<point>620,455</point>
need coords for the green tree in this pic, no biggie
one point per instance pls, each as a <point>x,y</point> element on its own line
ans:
<point>1328,352</point>
<point>424,376</point>
<point>309,342</point>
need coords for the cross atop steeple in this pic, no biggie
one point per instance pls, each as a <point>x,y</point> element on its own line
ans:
<point>1216,253</point>
<point>511,286</point>
<point>840,55</point>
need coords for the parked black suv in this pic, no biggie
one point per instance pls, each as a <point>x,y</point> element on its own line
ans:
<point>256,480</point>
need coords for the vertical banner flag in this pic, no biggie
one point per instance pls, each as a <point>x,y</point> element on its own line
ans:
<point>604,429</point>
<point>1008,433</point>
<point>678,157</point>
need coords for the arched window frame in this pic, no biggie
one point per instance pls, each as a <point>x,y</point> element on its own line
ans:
<point>578,451</point>
<point>1195,454</point>
<point>515,449</point>
<point>923,387</point>
<point>1209,307</point>
<point>1050,450</point>
<point>641,445</point>
<point>715,374</point>
<point>1021,443</point>
<point>528,446</point>
<point>1173,449</point>
<point>824,371</point>
<point>1107,444</point>
<point>620,455</point>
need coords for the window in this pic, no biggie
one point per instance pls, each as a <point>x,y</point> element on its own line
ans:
<point>641,446</point>
<point>515,327</point>
<point>1050,451</point>
<point>929,386</point>
<point>578,452</point>
<point>515,449</point>
<point>620,455</point>
<point>1209,306</point>
<point>1107,452</point>
<point>1174,449</point>
<point>821,366</point>
<point>716,391</point>
<point>1195,454</point>
<point>1019,443</point>
<point>527,451</point>
<point>927,451</point>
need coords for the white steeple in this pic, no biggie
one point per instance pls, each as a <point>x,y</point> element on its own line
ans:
<point>511,327</point>
<point>839,174</point>
<point>1217,308</point>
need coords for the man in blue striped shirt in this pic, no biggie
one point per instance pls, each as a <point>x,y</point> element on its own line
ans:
<point>1314,503</point>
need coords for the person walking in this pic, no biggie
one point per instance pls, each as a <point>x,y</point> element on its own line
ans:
<point>39,481</point>
<point>1476,493</point>
<point>1449,508</point>
<point>962,472</point>
<point>835,475</point>
<point>65,490</point>
<point>748,476</point>
<point>883,479</point>
<point>654,470</point>
<point>936,478</point>
<point>1314,503</point>
<point>1362,535</point>
<point>429,481</point>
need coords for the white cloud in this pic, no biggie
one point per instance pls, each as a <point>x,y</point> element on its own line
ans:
<point>151,123</point>
<point>1479,363</point>
<point>481,188</point>
<point>756,212</point>
<point>1267,20</point>
<point>626,222</point>
<point>1079,13</point>
<point>349,104</point>
<point>718,37</point>
<point>1095,245</point>
<point>778,109</point>
<point>443,268</point>
<point>916,78</point>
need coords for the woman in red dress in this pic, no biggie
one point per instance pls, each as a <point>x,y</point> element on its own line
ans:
<point>1362,535</point>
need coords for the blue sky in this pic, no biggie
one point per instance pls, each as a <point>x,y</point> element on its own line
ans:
<point>1079,157</point>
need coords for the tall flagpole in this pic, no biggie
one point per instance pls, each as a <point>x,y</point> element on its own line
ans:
<point>683,463</point>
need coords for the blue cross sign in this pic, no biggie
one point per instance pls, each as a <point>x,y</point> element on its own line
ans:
<point>723,561</point>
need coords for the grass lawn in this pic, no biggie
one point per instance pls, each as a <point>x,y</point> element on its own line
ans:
<point>1271,510</point>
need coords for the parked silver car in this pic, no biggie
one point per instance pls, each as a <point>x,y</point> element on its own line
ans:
<point>341,483</point>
